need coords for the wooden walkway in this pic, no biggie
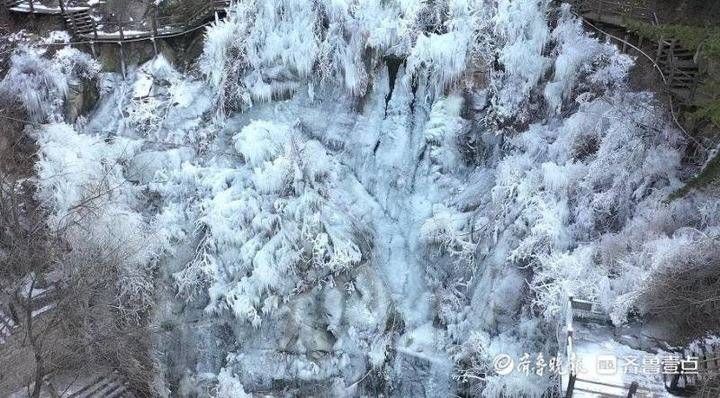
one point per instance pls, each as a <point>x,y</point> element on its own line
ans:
<point>678,64</point>
<point>80,21</point>
<point>578,312</point>
<point>699,380</point>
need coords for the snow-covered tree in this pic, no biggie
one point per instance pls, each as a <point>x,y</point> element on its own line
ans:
<point>41,84</point>
<point>270,228</point>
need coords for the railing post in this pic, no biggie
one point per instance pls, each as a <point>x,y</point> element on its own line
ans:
<point>62,6</point>
<point>693,88</point>
<point>122,34</point>
<point>624,44</point>
<point>671,62</point>
<point>659,49</point>
<point>32,9</point>
<point>122,59</point>
<point>571,385</point>
<point>633,389</point>
<point>153,22</point>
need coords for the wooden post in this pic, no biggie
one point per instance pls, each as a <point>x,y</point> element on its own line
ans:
<point>153,22</point>
<point>70,18</point>
<point>693,88</point>
<point>122,34</point>
<point>624,45</point>
<point>671,61</point>
<point>122,59</point>
<point>633,389</point>
<point>62,6</point>
<point>32,9</point>
<point>571,386</point>
<point>94,27</point>
<point>92,49</point>
<point>659,49</point>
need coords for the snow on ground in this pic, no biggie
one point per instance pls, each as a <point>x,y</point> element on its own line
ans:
<point>614,366</point>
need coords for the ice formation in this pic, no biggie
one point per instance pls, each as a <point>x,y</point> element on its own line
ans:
<point>369,196</point>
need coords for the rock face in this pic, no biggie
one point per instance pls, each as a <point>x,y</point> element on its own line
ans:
<point>82,97</point>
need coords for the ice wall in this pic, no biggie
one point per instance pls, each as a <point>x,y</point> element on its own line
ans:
<point>380,196</point>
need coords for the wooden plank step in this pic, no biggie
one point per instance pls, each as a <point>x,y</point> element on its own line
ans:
<point>98,388</point>
<point>82,25</point>
<point>682,83</point>
<point>678,65</point>
<point>81,391</point>
<point>602,394</point>
<point>113,390</point>
<point>681,78</point>
<point>78,20</point>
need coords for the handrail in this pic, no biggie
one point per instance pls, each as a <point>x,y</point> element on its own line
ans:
<point>615,8</point>
<point>630,389</point>
<point>150,27</point>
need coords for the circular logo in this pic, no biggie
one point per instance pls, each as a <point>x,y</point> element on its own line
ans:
<point>503,364</point>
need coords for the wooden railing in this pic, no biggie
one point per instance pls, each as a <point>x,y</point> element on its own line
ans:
<point>616,9</point>
<point>154,25</point>
<point>583,308</point>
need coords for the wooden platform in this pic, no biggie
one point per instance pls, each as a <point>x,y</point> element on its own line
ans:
<point>81,23</point>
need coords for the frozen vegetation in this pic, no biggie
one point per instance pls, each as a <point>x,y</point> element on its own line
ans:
<point>365,197</point>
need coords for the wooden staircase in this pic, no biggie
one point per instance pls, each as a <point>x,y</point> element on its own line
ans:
<point>680,68</point>
<point>106,386</point>
<point>79,21</point>
<point>678,64</point>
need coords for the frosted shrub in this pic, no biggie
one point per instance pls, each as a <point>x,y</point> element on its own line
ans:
<point>228,385</point>
<point>567,199</point>
<point>442,58</point>
<point>271,219</point>
<point>37,83</point>
<point>269,49</point>
<point>77,64</point>
<point>41,84</point>
<point>261,51</point>
<point>522,30</point>
<point>82,183</point>
<point>449,232</point>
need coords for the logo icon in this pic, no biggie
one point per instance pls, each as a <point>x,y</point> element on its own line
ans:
<point>503,364</point>
<point>606,365</point>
